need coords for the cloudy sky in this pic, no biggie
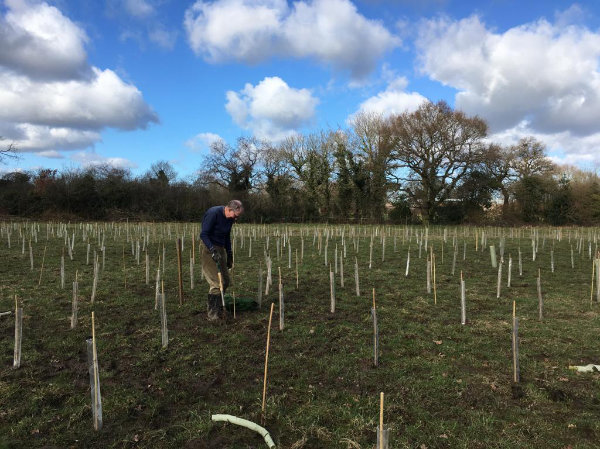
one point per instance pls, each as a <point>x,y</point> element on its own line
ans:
<point>131,82</point>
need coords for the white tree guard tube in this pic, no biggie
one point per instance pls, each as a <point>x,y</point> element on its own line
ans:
<point>248,424</point>
<point>585,368</point>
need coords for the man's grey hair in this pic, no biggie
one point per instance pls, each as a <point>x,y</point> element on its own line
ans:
<point>236,206</point>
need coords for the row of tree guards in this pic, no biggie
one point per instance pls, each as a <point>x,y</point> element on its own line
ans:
<point>344,240</point>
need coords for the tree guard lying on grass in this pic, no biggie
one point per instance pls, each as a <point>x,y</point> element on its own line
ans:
<point>247,424</point>
<point>585,368</point>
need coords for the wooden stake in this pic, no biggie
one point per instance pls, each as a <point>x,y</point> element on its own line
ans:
<point>264,396</point>
<point>221,289</point>
<point>381,414</point>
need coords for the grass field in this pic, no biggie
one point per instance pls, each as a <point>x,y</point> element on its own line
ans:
<point>445,384</point>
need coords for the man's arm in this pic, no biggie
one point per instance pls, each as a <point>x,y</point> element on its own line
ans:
<point>208,223</point>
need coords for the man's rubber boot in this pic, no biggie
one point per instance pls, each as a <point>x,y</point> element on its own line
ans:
<point>213,308</point>
<point>219,306</point>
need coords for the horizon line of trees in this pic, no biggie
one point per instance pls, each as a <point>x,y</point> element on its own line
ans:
<point>433,165</point>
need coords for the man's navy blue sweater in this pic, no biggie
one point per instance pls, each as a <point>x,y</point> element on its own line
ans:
<point>216,228</point>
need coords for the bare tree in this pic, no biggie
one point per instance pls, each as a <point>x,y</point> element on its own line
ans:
<point>233,168</point>
<point>162,171</point>
<point>434,148</point>
<point>530,158</point>
<point>311,159</point>
<point>499,164</point>
<point>8,152</point>
<point>275,170</point>
<point>372,145</point>
<point>535,184</point>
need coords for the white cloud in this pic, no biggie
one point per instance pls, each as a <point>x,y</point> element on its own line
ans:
<point>45,103</point>
<point>330,31</point>
<point>162,37</point>
<point>244,30</point>
<point>132,35</point>
<point>33,138</point>
<point>51,154</point>
<point>562,147</point>
<point>104,101</point>
<point>237,107</point>
<point>90,159</point>
<point>143,22</point>
<point>543,76</point>
<point>202,140</point>
<point>38,41</point>
<point>139,8</point>
<point>580,160</point>
<point>574,14</point>
<point>393,100</point>
<point>6,170</point>
<point>271,109</point>
<point>334,32</point>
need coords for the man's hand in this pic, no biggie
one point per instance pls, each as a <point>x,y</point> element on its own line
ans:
<point>229,260</point>
<point>216,256</point>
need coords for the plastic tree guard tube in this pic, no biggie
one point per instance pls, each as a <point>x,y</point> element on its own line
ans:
<point>248,424</point>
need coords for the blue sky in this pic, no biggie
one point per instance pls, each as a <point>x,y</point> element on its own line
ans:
<point>132,82</point>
